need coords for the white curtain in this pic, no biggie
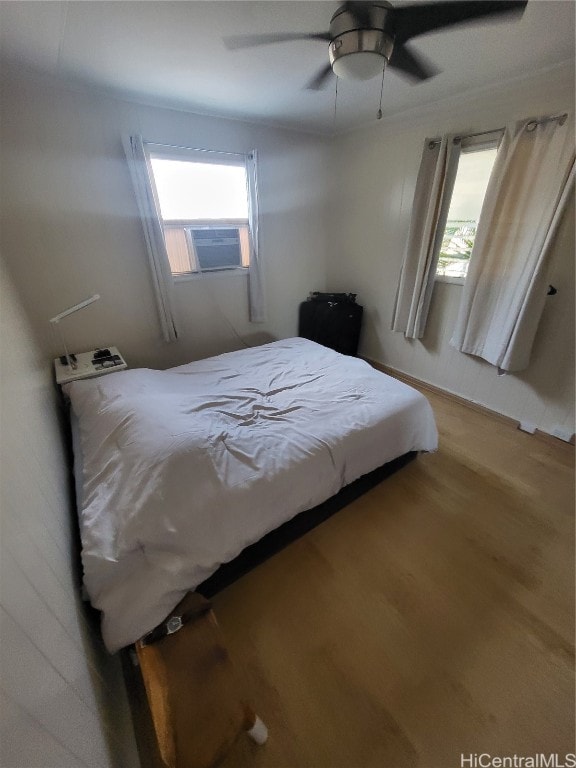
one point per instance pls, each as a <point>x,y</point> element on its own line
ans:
<point>432,196</point>
<point>160,266</point>
<point>255,274</point>
<point>505,290</point>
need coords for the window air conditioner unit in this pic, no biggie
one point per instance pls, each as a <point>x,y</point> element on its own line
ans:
<point>217,248</point>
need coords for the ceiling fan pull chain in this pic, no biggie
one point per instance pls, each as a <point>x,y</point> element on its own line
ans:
<point>335,101</point>
<point>379,113</point>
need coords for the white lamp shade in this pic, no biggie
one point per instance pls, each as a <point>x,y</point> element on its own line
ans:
<point>362,65</point>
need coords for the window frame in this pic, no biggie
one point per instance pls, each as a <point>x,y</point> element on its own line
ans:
<point>468,145</point>
<point>209,157</point>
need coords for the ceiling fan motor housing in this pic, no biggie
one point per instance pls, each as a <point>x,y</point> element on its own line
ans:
<point>363,34</point>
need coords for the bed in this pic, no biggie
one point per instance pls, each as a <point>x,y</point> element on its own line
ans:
<point>179,471</point>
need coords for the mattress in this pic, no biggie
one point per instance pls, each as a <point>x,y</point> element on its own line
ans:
<point>178,471</point>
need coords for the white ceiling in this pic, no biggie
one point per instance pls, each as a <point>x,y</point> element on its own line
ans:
<point>171,54</point>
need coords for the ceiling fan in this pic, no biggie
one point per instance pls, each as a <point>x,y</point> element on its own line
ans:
<point>365,37</point>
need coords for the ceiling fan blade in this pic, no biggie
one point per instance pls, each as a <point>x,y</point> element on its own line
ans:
<point>251,41</point>
<point>321,79</point>
<point>413,65</point>
<point>413,20</point>
<point>361,12</point>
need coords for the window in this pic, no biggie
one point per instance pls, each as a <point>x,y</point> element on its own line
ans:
<point>474,169</point>
<point>203,201</point>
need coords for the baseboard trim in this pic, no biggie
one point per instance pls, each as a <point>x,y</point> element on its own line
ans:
<point>419,384</point>
<point>548,438</point>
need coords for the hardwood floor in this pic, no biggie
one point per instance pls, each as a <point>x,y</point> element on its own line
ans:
<point>432,617</point>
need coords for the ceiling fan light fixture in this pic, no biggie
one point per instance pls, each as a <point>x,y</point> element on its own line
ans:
<point>360,54</point>
<point>359,66</point>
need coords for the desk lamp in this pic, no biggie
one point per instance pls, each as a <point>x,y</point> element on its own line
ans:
<point>71,359</point>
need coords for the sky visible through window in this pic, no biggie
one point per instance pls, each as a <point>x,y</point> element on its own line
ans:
<point>200,191</point>
<point>474,169</point>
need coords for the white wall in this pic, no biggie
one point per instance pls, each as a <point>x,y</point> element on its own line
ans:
<point>374,174</point>
<point>61,696</point>
<point>70,228</point>
<point>70,224</point>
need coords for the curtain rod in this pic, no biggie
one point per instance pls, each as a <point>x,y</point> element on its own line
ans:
<point>561,120</point>
<point>529,127</point>
<point>197,149</point>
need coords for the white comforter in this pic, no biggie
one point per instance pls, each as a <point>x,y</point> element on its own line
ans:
<point>182,469</point>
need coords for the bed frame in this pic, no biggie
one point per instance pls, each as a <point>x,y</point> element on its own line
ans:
<point>291,530</point>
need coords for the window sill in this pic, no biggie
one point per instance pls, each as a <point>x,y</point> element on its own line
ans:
<point>203,275</point>
<point>451,280</point>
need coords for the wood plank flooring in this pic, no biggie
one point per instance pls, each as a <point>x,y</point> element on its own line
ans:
<point>432,617</point>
